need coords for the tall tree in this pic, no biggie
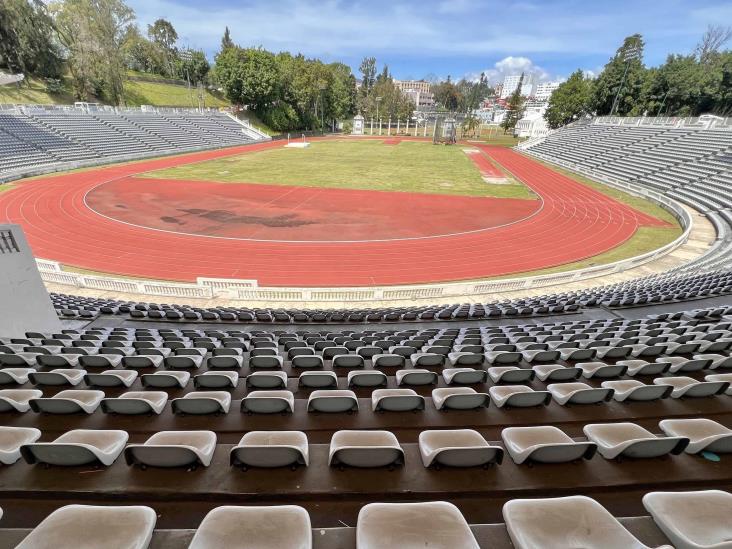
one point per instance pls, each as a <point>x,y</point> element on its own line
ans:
<point>26,39</point>
<point>620,85</point>
<point>570,101</point>
<point>368,74</point>
<point>447,95</point>
<point>226,41</point>
<point>515,109</point>
<point>715,37</point>
<point>163,34</point>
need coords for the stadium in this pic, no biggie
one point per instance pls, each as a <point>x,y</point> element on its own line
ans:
<point>358,313</point>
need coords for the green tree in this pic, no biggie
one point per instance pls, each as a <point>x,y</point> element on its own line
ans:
<point>620,85</point>
<point>515,108</point>
<point>26,39</point>
<point>226,41</point>
<point>195,68</point>
<point>471,93</point>
<point>570,101</point>
<point>447,95</point>
<point>249,76</point>
<point>368,74</point>
<point>471,124</point>
<point>162,33</point>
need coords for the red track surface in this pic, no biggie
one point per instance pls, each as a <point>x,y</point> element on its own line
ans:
<point>485,166</point>
<point>575,222</point>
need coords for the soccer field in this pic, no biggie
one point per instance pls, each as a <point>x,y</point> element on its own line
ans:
<point>364,165</point>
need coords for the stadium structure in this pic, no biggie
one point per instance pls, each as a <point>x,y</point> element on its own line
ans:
<point>252,356</point>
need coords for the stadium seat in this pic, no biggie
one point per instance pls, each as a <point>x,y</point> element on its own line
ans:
<point>17,376</point>
<point>704,434</point>
<point>17,399</point>
<point>166,379</point>
<point>721,378</point>
<point>75,526</point>
<point>12,439</point>
<point>268,402</point>
<point>624,439</point>
<point>510,374</point>
<point>275,527</point>
<point>688,387</point>
<point>78,447</point>
<point>267,380</point>
<point>457,448</point>
<point>70,401</point>
<point>463,376</point>
<point>555,372</point>
<point>579,393</point>
<point>416,376</point>
<point>518,396</point>
<point>545,444</point>
<point>136,403</point>
<point>111,378</point>
<point>557,523</point>
<point>459,398</point>
<point>59,376</point>
<point>332,401</point>
<point>365,449</point>
<point>396,400</point>
<point>438,525</point>
<point>202,402</point>
<point>636,391</point>
<point>173,449</point>
<point>221,379</point>
<point>271,449</point>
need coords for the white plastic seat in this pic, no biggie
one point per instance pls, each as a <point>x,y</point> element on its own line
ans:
<point>601,370</point>
<point>540,355</point>
<point>457,448</point>
<point>15,375</point>
<point>78,447</point>
<point>18,360</point>
<point>145,361</point>
<point>167,379</point>
<point>461,358</point>
<point>17,399</point>
<point>70,401</point>
<point>202,402</point>
<point>12,439</point>
<point>266,361</point>
<point>680,364</point>
<point>578,393</point>
<point>636,391</point>
<point>173,449</point>
<point>463,376</point>
<point>268,402</point>
<point>561,523</point>
<point>187,362</point>
<point>348,361</point>
<point>396,400</point>
<point>518,396</point>
<point>366,378</point>
<point>100,361</point>
<point>267,380</point>
<point>136,403</point>
<point>723,378</point>
<point>220,379</point>
<point>271,449</point>
<point>510,374</point>
<point>684,386</point>
<point>420,360</point>
<point>307,361</point>
<point>387,360</point>
<point>235,527</point>
<point>332,401</point>
<point>459,398</point>
<point>433,524</point>
<point>638,367</point>
<point>59,376</point>
<point>544,444</point>
<point>624,439</point>
<point>503,357</point>
<point>416,376</point>
<point>718,362</point>
<point>111,378</point>
<point>704,435</point>
<point>319,379</point>
<point>90,526</point>
<point>365,449</point>
<point>693,520</point>
<point>555,372</point>
<point>225,362</point>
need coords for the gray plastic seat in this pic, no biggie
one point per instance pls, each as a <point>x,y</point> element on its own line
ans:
<point>166,379</point>
<point>434,524</point>
<point>274,527</point>
<point>601,370</point>
<point>348,361</point>
<point>555,372</point>
<point>89,526</point>
<point>366,378</point>
<point>416,376</point>
<point>638,367</point>
<point>173,449</point>
<point>693,520</point>
<point>268,402</point>
<point>457,448</point>
<point>624,439</point>
<point>510,374</point>
<point>578,393</point>
<point>704,435</point>
<point>396,400</point>
<point>202,403</point>
<point>70,401</point>
<point>145,361</point>
<point>684,387</point>
<point>318,379</point>
<point>17,376</point>
<point>222,379</point>
<point>459,398</point>
<point>365,449</point>
<point>265,361</point>
<point>111,378</point>
<point>633,390</point>
<point>518,396</point>
<point>267,380</point>
<point>58,376</point>
<point>463,376</point>
<point>332,401</point>
<point>136,403</point>
<point>78,447</point>
<point>11,441</point>
<point>721,378</point>
<point>270,449</point>
<point>544,444</point>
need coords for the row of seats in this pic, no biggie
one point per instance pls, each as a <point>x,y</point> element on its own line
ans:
<point>369,448</point>
<point>688,519</point>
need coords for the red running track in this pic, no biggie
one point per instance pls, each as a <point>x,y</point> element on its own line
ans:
<point>574,222</point>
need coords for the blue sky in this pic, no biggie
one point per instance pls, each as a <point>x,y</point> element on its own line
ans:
<point>441,37</point>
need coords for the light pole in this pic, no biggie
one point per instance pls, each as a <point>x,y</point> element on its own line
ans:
<point>631,54</point>
<point>322,108</point>
<point>378,100</point>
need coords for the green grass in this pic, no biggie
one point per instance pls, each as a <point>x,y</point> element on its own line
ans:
<point>371,165</point>
<point>34,91</point>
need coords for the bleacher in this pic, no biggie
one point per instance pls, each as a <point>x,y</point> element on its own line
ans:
<point>33,139</point>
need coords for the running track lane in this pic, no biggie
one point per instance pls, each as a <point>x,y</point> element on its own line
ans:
<point>574,223</point>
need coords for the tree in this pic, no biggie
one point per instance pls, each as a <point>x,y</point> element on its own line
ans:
<point>712,41</point>
<point>471,93</point>
<point>249,76</point>
<point>226,41</point>
<point>619,87</point>
<point>471,124</point>
<point>368,74</point>
<point>93,34</point>
<point>515,109</point>
<point>447,95</point>
<point>570,101</point>
<point>164,36</point>
<point>195,68</point>
<point>26,39</point>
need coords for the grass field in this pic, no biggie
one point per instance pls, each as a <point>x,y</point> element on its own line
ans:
<point>407,167</point>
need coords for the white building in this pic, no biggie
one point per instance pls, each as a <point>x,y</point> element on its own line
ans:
<point>544,90</point>
<point>510,83</point>
<point>417,85</point>
<point>532,124</point>
<point>420,98</point>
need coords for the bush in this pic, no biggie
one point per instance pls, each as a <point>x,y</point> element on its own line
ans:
<point>347,126</point>
<point>54,86</point>
<point>280,117</point>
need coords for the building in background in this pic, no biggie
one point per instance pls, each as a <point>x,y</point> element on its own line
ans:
<point>532,124</point>
<point>544,90</point>
<point>511,82</point>
<point>421,86</point>
<point>420,98</point>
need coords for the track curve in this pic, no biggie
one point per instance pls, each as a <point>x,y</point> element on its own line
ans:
<point>575,222</point>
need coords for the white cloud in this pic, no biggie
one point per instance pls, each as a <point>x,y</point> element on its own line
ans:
<point>514,65</point>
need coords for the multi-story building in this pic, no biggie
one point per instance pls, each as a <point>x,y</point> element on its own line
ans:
<point>544,90</point>
<point>417,85</point>
<point>510,83</point>
<point>420,98</point>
